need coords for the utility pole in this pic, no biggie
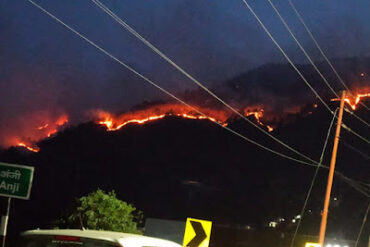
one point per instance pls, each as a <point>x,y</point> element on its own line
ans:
<point>324,217</point>
<point>4,223</point>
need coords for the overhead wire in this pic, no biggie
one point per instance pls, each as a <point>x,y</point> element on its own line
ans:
<point>162,89</point>
<point>364,189</point>
<point>302,48</point>
<point>294,66</point>
<point>356,116</point>
<point>362,225</point>
<point>285,55</point>
<point>321,50</point>
<point>171,62</point>
<point>351,182</point>
<point>354,149</point>
<point>313,179</point>
<point>308,56</point>
<point>355,133</point>
<point>156,50</point>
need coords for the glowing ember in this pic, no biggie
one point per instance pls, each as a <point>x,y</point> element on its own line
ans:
<point>354,101</point>
<point>32,149</point>
<point>62,120</point>
<point>258,114</point>
<point>43,127</point>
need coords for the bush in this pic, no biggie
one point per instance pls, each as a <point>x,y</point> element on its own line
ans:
<point>102,211</point>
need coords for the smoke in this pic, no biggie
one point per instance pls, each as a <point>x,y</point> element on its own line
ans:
<point>26,128</point>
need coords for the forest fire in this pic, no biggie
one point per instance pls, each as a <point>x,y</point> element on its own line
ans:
<point>157,112</point>
<point>32,149</point>
<point>258,114</point>
<point>37,133</point>
<point>113,123</point>
<point>354,101</point>
<point>40,129</point>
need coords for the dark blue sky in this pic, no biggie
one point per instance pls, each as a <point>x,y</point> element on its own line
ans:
<point>44,66</point>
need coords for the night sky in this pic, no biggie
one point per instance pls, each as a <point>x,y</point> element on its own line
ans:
<point>45,68</point>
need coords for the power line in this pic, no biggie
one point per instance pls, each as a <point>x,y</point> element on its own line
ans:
<point>362,225</point>
<point>364,189</point>
<point>354,149</point>
<point>303,78</point>
<point>308,56</point>
<point>356,116</point>
<point>302,49</point>
<point>162,89</point>
<point>294,66</point>
<point>171,62</point>
<point>349,181</point>
<point>285,55</point>
<point>321,51</point>
<point>355,133</point>
<point>313,179</point>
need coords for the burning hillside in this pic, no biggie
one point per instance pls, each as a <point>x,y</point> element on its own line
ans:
<point>267,95</point>
<point>43,125</point>
<point>112,122</point>
<point>32,127</point>
<point>40,128</point>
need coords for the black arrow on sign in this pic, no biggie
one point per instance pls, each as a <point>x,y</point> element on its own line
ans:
<point>200,234</point>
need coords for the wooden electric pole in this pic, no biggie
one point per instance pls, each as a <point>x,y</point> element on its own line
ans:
<point>324,217</point>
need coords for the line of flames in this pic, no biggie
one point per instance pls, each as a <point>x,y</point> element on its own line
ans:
<point>32,149</point>
<point>113,124</point>
<point>110,124</point>
<point>355,100</point>
<point>51,129</point>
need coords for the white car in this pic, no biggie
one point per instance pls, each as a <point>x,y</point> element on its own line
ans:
<point>89,238</point>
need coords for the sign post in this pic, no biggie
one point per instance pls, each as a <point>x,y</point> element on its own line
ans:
<point>197,233</point>
<point>15,182</point>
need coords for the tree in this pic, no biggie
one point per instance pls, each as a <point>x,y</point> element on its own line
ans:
<point>102,211</point>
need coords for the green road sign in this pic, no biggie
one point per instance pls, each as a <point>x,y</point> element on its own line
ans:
<point>15,180</point>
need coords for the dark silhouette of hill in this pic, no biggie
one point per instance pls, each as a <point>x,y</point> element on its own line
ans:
<point>174,168</point>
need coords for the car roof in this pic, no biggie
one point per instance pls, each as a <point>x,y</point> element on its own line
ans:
<point>117,237</point>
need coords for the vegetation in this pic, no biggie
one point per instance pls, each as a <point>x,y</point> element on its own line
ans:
<point>102,211</point>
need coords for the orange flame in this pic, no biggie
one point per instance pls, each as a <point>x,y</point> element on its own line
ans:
<point>354,101</point>
<point>32,149</point>
<point>113,123</point>
<point>43,127</point>
<point>258,114</point>
<point>60,122</point>
<point>157,112</point>
<point>37,133</point>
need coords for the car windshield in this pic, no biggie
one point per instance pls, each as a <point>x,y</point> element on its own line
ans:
<point>64,241</point>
